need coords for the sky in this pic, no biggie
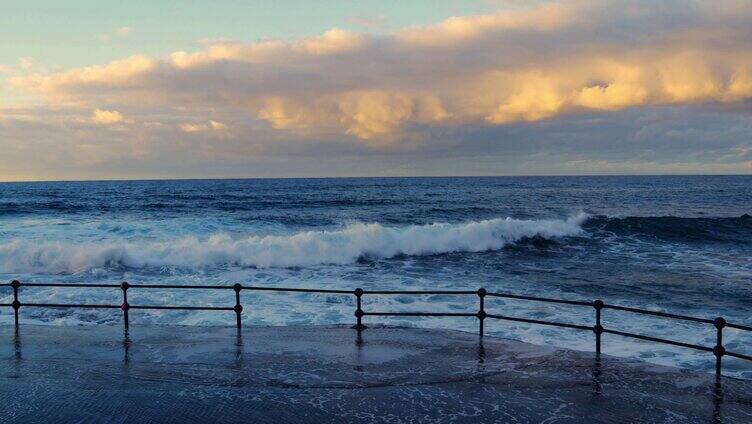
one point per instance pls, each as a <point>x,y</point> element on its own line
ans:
<point>199,89</point>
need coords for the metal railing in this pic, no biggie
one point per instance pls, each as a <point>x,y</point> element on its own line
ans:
<point>481,315</point>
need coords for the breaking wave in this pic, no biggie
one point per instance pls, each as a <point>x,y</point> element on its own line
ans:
<point>308,248</point>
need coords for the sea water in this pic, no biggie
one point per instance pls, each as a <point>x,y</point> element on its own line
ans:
<point>681,244</point>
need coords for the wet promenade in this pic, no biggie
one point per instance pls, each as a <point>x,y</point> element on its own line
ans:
<point>337,374</point>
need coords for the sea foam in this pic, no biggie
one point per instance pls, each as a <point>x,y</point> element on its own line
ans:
<point>307,248</point>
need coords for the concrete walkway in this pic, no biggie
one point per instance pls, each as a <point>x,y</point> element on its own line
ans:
<point>335,374</point>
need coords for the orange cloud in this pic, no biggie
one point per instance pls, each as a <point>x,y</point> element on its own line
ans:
<point>106,117</point>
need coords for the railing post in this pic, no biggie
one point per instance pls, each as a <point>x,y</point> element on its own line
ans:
<point>16,304</point>
<point>598,328</point>
<point>125,306</point>
<point>358,310</point>
<point>719,350</point>
<point>238,307</point>
<point>481,310</point>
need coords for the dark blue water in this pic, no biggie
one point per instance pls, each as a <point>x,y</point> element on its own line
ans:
<point>675,243</point>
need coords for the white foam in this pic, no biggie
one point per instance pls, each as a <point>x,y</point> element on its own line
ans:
<point>306,248</point>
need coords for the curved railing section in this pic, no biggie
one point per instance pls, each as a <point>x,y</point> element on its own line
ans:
<point>481,315</point>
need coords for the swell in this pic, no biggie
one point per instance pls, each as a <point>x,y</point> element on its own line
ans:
<point>307,248</point>
<point>181,203</point>
<point>679,229</point>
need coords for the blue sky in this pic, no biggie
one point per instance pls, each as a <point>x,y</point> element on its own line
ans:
<point>168,89</point>
<point>77,32</point>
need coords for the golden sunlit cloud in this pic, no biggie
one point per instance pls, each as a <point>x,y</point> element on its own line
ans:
<point>106,117</point>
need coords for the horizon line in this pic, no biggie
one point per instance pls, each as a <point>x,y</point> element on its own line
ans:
<point>94,180</point>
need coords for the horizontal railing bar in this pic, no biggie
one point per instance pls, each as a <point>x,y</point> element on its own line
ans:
<point>739,327</point>
<point>67,305</point>
<point>192,286</point>
<point>423,314</point>
<point>739,355</point>
<point>540,299</point>
<point>188,286</point>
<point>118,286</point>
<point>657,313</point>
<point>113,286</point>
<point>186,308</point>
<point>5,304</point>
<point>657,340</point>
<point>536,321</point>
<point>301,290</point>
<point>458,292</point>
<point>176,286</point>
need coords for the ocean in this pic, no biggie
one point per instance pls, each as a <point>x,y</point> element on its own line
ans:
<point>680,244</point>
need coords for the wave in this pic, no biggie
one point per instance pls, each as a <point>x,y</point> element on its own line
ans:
<point>308,248</point>
<point>678,229</point>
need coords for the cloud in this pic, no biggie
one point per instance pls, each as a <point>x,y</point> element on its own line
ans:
<point>524,64</point>
<point>200,126</point>
<point>52,144</point>
<point>124,31</point>
<point>489,88</point>
<point>106,117</point>
<point>118,75</point>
